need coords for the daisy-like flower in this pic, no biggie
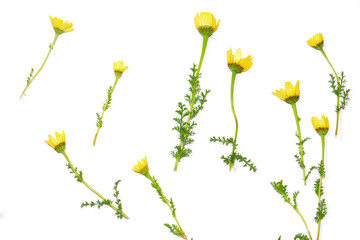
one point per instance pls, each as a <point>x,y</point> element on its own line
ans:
<point>119,68</point>
<point>60,26</point>
<point>142,166</point>
<point>58,143</point>
<point>321,126</point>
<point>236,63</point>
<point>291,94</point>
<point>317,41</point>
<point>206,23</point>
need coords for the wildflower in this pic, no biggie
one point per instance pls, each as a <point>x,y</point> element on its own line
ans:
<point>291,94</point>
<point>58,143</point>
<point>142,167</point>
<point>321,126</point>
<point>60,26</point>
<point>206,23</point>
<point>236,63</point>
<point>119,68</point>
<point>317,41</point>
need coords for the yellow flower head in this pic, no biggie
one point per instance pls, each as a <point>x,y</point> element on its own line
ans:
<point>206,23</point>
<point>321,126</point>
<point>58,143</point>
<point>119,68</point>
<point>291,94</point>
<point>60,26</point>
<point>317,41</point>
<point>236,63</point>
<point>142,167</point>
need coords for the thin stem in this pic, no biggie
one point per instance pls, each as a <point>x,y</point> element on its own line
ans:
<point>297,119</point>
<point>307,228</point>
<point>47,56</point>
<point>298,211</point>
<point>233,76</point>
<point>167,203</point>
<point>89,187</point>
<point>105,108</point>
<point>338,93</point>
<point>321,179</point>
<point>193,95</point>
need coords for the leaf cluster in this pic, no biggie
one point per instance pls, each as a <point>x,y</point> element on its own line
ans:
<point>301,236</point>
<point>118,201</point>
<point>105,107</point>
<point>321,169</point>
<point>78,176</point>
<point>241,159</point>
<point>321,211</point>
<point>98,203</point>
<point>223,140</point>
<point>340,90</point>
<point>99,121</point>
<point>194,103</point>
<point>282,190</point>
<point>234,156</point>
<point>300,145</point>
<point>30,76</point>
<point>309,172</point>
<point>317,188</point>
<point>174,229</point>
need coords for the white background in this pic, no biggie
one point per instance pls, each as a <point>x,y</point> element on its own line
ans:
<point>39,199</point>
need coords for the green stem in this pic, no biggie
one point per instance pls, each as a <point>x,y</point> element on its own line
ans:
<point>321,179</point>
<point>233,76</point>
<point>47,56</point>
<point>297,119</point>
<point>147,175</point>
<point>338,93</point>
<point>104,109</point>
<point>89,187</point>
<point>298,211</point>
<point>307,228</point>
<point>193,95</point>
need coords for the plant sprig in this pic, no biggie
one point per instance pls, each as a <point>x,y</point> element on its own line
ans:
<point>99,203</point>
<point>234,155</point>
<point>282,190</point>
<point>106,106</point>
<point>31,78</point>
<point>340,90</point>
<point>174,228</point>
<point>194,104</point>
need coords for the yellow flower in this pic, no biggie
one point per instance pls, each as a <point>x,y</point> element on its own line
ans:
<point>291,94</point>
<point>321,126</point>
<point>60,26</point>
<point>236,63</point>
<point>317,41</point>
<point>142,167</point>
<point>206,23</point>
<point>119,68</point>
<point>58,143</point>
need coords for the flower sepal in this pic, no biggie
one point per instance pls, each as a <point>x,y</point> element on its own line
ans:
<point>235,68</point>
